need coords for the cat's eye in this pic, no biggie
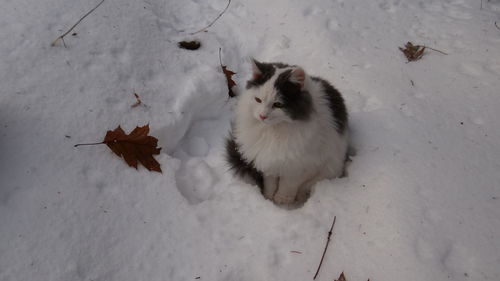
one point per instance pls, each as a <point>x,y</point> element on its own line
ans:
<point>277,105</point>
<point>258,100</point>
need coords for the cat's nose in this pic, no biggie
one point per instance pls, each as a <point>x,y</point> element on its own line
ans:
<point>262,117</point>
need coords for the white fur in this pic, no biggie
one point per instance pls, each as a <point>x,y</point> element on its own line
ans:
<point>293,155</point>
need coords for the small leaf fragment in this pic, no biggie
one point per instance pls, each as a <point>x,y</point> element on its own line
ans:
<point>341,277</point>
<point>229,77</point>
<point>413,52</point>
<point>230,82</point>
<point>138,101</point>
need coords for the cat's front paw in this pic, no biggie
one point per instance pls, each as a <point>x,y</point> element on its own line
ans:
<point>282,199</point>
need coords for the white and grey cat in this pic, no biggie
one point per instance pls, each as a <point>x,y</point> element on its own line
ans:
<point>289,131</point>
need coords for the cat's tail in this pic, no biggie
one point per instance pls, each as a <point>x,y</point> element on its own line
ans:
<point>239,165</point>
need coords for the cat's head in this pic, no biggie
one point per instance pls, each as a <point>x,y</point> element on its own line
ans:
<point>278,93</point>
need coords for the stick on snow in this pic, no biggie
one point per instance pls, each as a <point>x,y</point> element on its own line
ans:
<point>69,30</point>
<point>326,247</point>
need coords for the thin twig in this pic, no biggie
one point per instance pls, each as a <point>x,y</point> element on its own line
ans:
<point>220,15</point>
<point>436,50</point>
<point>326,246</point>
<point>95,143</point>
<point>220,60</point>
<point>66,33</point>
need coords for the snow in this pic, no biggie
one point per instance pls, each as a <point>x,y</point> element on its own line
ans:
<point>421,201</point>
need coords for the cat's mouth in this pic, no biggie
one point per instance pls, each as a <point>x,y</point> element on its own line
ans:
<point>266,120</point>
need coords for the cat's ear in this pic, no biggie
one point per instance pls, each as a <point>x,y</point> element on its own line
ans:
<point>256,68</point>
<point>298,76</point>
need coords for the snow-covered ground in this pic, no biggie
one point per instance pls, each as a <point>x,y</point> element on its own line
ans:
<point>422,199</point>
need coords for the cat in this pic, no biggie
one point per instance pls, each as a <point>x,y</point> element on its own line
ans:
<point>289,132</point>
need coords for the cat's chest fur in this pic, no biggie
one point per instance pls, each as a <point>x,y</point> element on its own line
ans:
<point>277,148</point>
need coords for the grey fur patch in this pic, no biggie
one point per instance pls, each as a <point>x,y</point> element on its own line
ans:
<point>239,165</point>
<point>297,103</point>
<point>336,103</point>
<point>267,71</point>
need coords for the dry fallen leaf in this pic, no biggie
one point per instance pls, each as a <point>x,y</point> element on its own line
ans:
<point>230,82</point>
<point>413,52</point>
<point>229,74</point>
<point>134,147</point>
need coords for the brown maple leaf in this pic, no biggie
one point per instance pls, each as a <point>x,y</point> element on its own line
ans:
<point>413,52</point>
<point>229,74</point>
<point>134,147</point>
